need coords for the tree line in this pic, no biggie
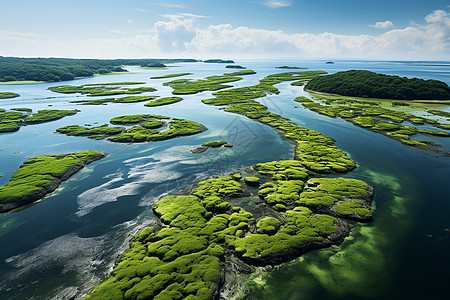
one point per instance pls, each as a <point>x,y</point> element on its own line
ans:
<point>361,83</point>
<point>62,69</point>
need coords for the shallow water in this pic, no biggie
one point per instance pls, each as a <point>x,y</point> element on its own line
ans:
<point>65,243</point>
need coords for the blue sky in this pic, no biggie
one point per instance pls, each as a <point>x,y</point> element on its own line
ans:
<point>231,29</point>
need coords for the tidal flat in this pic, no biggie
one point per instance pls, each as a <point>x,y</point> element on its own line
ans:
<point>292,175</point>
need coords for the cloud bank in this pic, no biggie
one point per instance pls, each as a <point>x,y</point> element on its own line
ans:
<point>179,35</point>
<point>383,25</point>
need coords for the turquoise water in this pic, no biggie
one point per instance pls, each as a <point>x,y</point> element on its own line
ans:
<point>64,244</point>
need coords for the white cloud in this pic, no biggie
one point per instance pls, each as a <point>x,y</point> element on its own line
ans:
<point>383,25</point>
<point>172,35</point>
<point>188,15</point>
<point>130,21</point>
<point>179,35</point>
<point>277,3</point>
<point>116,31</point>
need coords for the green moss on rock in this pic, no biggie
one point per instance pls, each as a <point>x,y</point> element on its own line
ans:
<point>252,181</point>
<point>268,225</point>
<point>331,195</point>
<point>281,192</point>
<point>223,187</point>
<point>301,232</point>
<point>214,144</point>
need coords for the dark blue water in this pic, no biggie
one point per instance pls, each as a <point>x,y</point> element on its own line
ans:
<point>64,244</point>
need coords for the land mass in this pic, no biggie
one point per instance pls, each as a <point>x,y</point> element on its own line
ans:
<point>11,121</point>
<point>8,95</point>
<point>198,237</point>
<point>62,69</point>
<point>103,89</point>
<point>218,61</point>
<point>41,175</point>
<point>146,128</point>
<point>369,115</point>
<point>368,84</point>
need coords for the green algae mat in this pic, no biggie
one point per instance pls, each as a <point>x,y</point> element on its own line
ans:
<point>388,122</point>
<point>11,121</point>
<point>41,175</point>
<point>103,89</point>
<point>146,128</point>
<point>185,254</point>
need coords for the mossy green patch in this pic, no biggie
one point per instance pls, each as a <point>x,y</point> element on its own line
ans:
<point>170,75</point>
<point>24,109</point>
<point>103,89</point>
<point>441,113</point>
<point>164,101</point>
<point>47,115</point>
<point>211,83</point>
<point>268,225</point>
<point>134,119</point>
<point>144,131</point>
<point>99,132</point>
<point>283,170</point>
<point>373,117</point>
<point>9,127</point>
<point>281,192</point>
<point>182,260</point>
<point>8,95</point>
<point>12,120</point>
<point>348,198</point>
<point>41,175</point>
<point>223,187</point>
<point>214,144</point>
<point>252,181</point>
<point>302,231</point>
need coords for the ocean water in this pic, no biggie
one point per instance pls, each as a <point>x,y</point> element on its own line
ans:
<point>63,245</point>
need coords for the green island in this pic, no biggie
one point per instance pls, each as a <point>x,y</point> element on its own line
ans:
<point>218,61</point>
<point>201,238</point>
<point>164,101</point>
<point>103,89</point>
<point>11,121</point>
<point>211,83</point>
<point>366,84</point>
<point>264,87</point>
<point>439,113</point>
<point>28,110</point>
<point>211,144</point>
<point>8,95</point>
<point>32,70</point>
<point>128,99</point>
<point>47,115</point>
<point>154,65</point>
<point>234,67</point>
<point>369,115</point>
<point>216,144</point>
<point>144,129</point>
<point>41,175</point>
<point>290,68</point>
<point>170,75</point>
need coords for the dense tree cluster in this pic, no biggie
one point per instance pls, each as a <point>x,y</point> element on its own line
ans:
<point>61,69</point>
<point>368,84</point>
<point>155,64</point>
<point>53,69</point>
